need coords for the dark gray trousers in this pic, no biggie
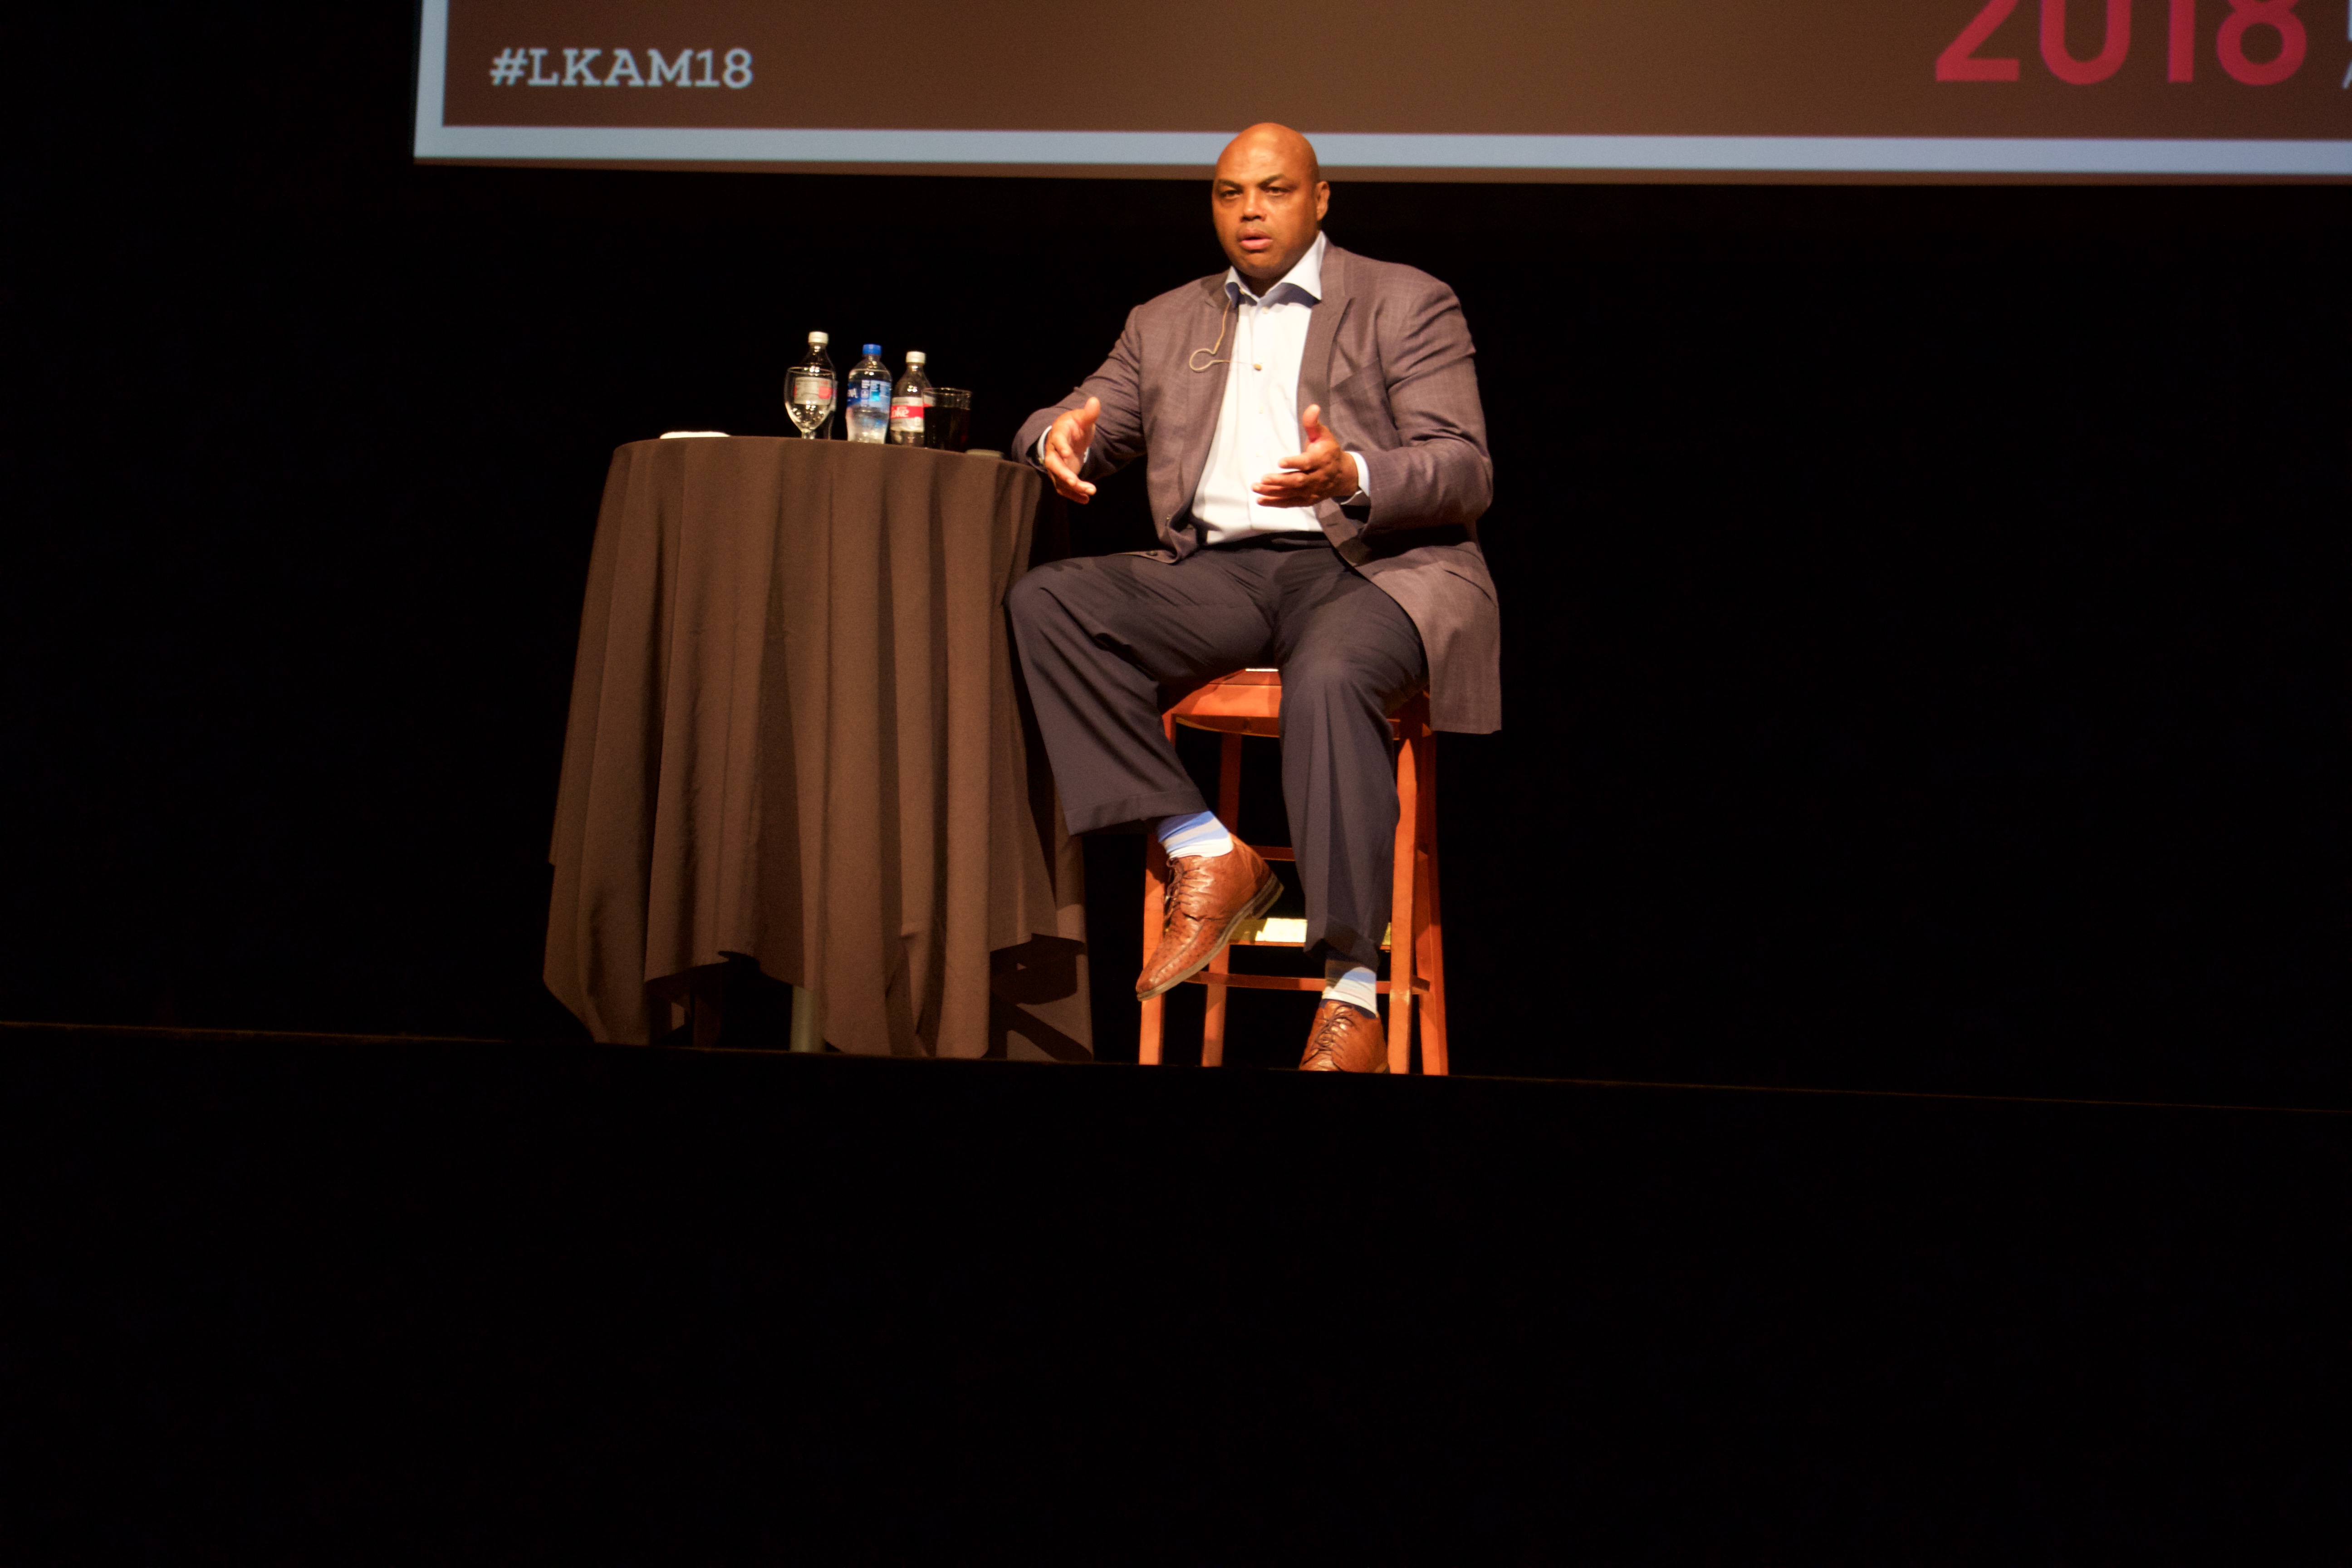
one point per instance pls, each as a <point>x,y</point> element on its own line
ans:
<point>1108,641</point>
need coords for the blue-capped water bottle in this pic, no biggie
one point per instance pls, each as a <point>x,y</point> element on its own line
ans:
<point>870,397</point>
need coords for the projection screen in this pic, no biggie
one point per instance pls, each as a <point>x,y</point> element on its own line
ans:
<point>1513,89</point>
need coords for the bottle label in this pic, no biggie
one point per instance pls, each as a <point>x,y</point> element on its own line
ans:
<point>907,416</point>
<point>811,389</point>
<point>873,394</point>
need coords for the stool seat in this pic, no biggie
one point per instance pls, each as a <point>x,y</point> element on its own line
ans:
<point>1249,702</point>
<point>1246,702</point>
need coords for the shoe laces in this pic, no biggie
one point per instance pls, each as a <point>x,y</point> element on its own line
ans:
<point>1184,872</point>
<point>1329,1028</point>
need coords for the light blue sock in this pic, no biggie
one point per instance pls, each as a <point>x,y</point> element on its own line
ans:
<point>1199,834</point>
<point>1345,980</point>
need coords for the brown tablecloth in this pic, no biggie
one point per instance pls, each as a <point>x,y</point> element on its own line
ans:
<point>795,736</point>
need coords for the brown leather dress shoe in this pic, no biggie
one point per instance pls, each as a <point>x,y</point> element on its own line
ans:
<point>1344,1039</point>
<point>1208,896</point>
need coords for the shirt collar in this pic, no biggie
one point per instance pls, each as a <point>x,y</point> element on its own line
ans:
<point>1303,281</point>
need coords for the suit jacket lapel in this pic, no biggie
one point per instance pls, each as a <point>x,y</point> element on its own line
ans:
<point>1315,372</point>
<point>1323,333</point>
<point>1201,395</point>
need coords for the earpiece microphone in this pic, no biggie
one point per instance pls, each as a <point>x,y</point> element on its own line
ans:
<point>1223,317</point>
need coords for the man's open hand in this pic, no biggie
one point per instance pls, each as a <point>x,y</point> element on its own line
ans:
<point>1322,472</point>
<point>1065,450</point>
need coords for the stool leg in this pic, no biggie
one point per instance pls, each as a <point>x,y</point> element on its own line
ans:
<point>1400,879</point>
<point>1229,809</point>
<point>1213,1013</point>
<point>1429,929</point>
<point>1155,896</point>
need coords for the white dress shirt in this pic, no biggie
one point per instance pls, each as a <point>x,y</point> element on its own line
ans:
<point>1257,422</point>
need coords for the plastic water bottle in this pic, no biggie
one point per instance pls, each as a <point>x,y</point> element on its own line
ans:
<point>910,401</point>
<point>870,397</point>
<point>808,389</point>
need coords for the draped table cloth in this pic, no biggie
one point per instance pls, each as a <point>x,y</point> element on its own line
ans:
<point>795,736</point>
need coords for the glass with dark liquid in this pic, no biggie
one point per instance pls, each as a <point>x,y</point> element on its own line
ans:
<point>947,424</point>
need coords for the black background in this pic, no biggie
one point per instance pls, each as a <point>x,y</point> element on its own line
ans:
<point>1923,659</point>
<point>1925,669</point>
<point>298,1302</point>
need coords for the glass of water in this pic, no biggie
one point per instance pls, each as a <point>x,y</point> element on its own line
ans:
<point>809,388</point>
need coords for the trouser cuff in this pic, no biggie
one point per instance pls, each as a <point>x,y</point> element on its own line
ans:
<point>1328,941</point>
<point>1143,808</point>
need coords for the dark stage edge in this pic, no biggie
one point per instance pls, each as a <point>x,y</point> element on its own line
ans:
<point>385,1299</point>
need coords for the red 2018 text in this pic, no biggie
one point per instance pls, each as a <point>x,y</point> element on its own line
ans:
<point>1960,62</point>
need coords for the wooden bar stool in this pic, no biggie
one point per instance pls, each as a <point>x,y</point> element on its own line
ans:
<point>1249,702</point>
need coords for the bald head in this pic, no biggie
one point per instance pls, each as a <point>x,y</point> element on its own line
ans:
<point>1267,199</point>
<point>1278,142</point>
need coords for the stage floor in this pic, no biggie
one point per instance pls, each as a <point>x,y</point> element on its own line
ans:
<point>279,1298</point>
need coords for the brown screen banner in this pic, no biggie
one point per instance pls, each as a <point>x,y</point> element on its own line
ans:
<point>1527,89</point>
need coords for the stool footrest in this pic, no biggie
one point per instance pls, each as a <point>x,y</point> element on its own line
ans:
<point>1286,983</point>
<point>1285,930</point>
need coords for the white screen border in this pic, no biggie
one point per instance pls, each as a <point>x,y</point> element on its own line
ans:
<point>1341,151</point>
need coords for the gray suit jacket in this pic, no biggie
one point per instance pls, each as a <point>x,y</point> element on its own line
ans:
<point>1388,359</point>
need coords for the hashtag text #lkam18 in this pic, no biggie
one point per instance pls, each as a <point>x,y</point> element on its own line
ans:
<point>529,67</point>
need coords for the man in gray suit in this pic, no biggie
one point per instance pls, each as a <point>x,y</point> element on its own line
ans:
<point>1316,466</point>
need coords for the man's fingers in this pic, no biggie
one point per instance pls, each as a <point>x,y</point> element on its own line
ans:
<point>1063,454</point>
<point>1076,429</point>
<point>1320,472</point>
<point>1282,486</point>
<point>1061,467</point>
<point>1066,442</point>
